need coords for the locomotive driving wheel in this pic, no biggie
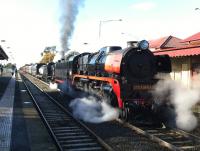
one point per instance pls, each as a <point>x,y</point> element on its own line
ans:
<point>111,99</point>
<point>124,114</point>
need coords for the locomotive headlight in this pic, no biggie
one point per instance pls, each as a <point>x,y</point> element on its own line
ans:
<point>70,72</point>
<point>143,45</point>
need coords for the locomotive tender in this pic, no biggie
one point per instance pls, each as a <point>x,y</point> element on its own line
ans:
<point>125,77</point>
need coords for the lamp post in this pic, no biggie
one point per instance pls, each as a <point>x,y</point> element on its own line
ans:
<point>85,44</point>
<point>103,21</point>
<point>3,41</point>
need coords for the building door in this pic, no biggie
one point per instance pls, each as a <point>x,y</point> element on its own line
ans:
<point>185,75</point>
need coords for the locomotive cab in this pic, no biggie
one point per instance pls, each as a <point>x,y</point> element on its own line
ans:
<point>80,63</point>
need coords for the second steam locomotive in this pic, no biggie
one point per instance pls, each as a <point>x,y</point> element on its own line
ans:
<point>125,77</point>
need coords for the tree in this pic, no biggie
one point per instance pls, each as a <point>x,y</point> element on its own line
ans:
<point>48,54</point>
<point>9,65</point>
<point>47,57</point>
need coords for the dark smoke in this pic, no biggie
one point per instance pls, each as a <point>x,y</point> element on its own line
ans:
<point>70,10</point>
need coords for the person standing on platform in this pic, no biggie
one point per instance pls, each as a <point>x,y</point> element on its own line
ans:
<point>1,68</point>
<point>16,72</point>
<point>13,69</point>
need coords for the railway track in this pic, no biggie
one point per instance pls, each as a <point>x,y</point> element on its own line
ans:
<point>173,139</point>
<point>68,133</point>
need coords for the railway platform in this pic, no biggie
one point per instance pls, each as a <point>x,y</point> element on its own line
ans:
<point>21,128</point>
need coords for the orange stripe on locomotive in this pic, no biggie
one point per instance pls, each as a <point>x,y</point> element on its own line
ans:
<point>113,62</point>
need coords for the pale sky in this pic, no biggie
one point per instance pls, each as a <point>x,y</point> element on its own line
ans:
<point>28,26</point>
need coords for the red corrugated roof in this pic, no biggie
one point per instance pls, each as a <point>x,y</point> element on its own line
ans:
<point>173,42</point>
<point>157,42</point>
<point>194,37</point>
<point>165,42</point>
<point>180,52</point>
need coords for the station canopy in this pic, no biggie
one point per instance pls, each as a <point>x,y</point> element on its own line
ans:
<point>180,52</point>
<point>3,55</point>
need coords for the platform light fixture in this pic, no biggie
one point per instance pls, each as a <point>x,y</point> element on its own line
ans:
<point>103,21</point>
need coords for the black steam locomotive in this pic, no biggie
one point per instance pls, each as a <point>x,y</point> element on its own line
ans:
<point>125,77</point>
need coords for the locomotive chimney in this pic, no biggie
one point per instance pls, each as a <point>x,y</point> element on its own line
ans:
<point>132,44</point>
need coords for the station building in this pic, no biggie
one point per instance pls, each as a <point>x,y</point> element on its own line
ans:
<point>184,54</point>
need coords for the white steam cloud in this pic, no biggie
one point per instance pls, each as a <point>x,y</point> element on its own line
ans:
<point>182,98</point>
<point>68,17</point>
<point>53,86</point>
<point>93,111</point>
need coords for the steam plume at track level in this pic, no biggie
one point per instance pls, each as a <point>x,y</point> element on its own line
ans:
<point>93,111</point>
<point>182,98</point>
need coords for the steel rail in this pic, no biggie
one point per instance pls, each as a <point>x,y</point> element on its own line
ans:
<point>154,136</point>
<point>105,145</point>
<point>43,118</point>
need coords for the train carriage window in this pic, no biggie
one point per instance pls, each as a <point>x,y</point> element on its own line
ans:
<point>103,58</point>
<point>100,56</point>
<point>94,58</point>
<point>85,59</point>
<point>103,49</point>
